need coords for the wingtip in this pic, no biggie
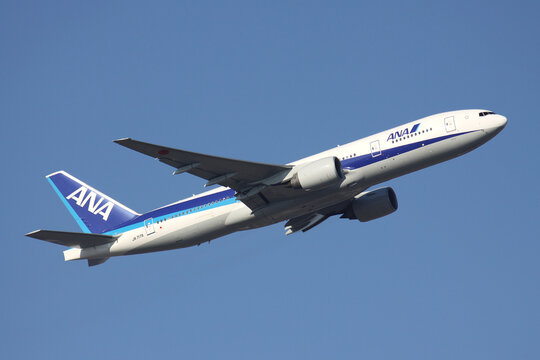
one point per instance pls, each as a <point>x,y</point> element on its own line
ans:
<point>32,233</point>
<point>118,141</point>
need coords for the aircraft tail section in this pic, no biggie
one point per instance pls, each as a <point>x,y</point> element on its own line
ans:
<point>72,239</point>
<point>94,211</point>
<point>83,245</point>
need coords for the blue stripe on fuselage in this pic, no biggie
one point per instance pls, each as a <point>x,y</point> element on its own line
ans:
<point>225,197</point>
<point>368,159</point>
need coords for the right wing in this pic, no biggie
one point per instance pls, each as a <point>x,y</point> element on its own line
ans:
<point>247,178</point>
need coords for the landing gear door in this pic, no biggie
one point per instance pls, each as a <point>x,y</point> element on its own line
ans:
<point>149,226</point>
<point>375,148</point>
<point>449,124</point>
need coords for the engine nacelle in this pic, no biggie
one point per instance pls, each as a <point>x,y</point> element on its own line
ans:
<point>318,174</point>
<point>371,205</point>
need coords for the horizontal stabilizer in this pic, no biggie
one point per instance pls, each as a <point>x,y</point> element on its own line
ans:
<point>71,239</point>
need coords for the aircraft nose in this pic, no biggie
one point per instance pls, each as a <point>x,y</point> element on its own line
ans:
<point>494,124</point>
<point>500,122</point>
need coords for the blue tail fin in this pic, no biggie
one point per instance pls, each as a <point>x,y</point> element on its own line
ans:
<point>94,212</point>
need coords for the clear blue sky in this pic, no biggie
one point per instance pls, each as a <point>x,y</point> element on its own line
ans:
<point>454,273</point>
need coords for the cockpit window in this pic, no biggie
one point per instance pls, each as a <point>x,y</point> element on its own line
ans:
<point>486,113</point>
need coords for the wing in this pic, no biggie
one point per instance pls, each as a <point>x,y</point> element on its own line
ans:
<point>247,178</point>
<point>309,221</point>
<point>304,223</point>
<point>72,239</point>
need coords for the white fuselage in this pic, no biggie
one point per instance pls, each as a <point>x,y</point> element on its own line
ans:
<point>367,162</point>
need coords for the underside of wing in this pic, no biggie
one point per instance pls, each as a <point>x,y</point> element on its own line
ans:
<point>71,239</point>
<point>304,223</point>
<point>309,221</point>
<point>249,179</point>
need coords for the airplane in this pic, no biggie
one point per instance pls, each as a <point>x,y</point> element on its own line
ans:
<point>303,193</point>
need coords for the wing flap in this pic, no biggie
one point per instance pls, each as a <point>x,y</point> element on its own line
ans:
<point>71,239</point>
<point>304,223</point>
<point>309,221</point>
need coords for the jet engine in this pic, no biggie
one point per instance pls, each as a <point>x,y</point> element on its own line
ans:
<point>318,174</point>
<point>371,205</point>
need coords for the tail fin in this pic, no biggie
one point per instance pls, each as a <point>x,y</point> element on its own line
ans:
<point>94,212</point>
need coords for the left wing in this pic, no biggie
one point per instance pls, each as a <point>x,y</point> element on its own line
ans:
<point>309,221</point>
<point>247,178</point>
<point>304,223</point>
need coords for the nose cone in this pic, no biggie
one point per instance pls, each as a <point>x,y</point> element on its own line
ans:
<point>494,124</point>
<point>499,121</point>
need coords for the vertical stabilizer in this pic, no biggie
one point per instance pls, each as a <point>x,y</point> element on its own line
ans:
<point>94,211</point>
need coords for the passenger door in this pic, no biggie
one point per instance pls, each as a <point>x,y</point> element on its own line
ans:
<point>149,226</point>
<point>375,148</point>
<point>449,124</point>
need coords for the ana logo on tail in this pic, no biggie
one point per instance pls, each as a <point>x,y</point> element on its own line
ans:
<point>94,207</point>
